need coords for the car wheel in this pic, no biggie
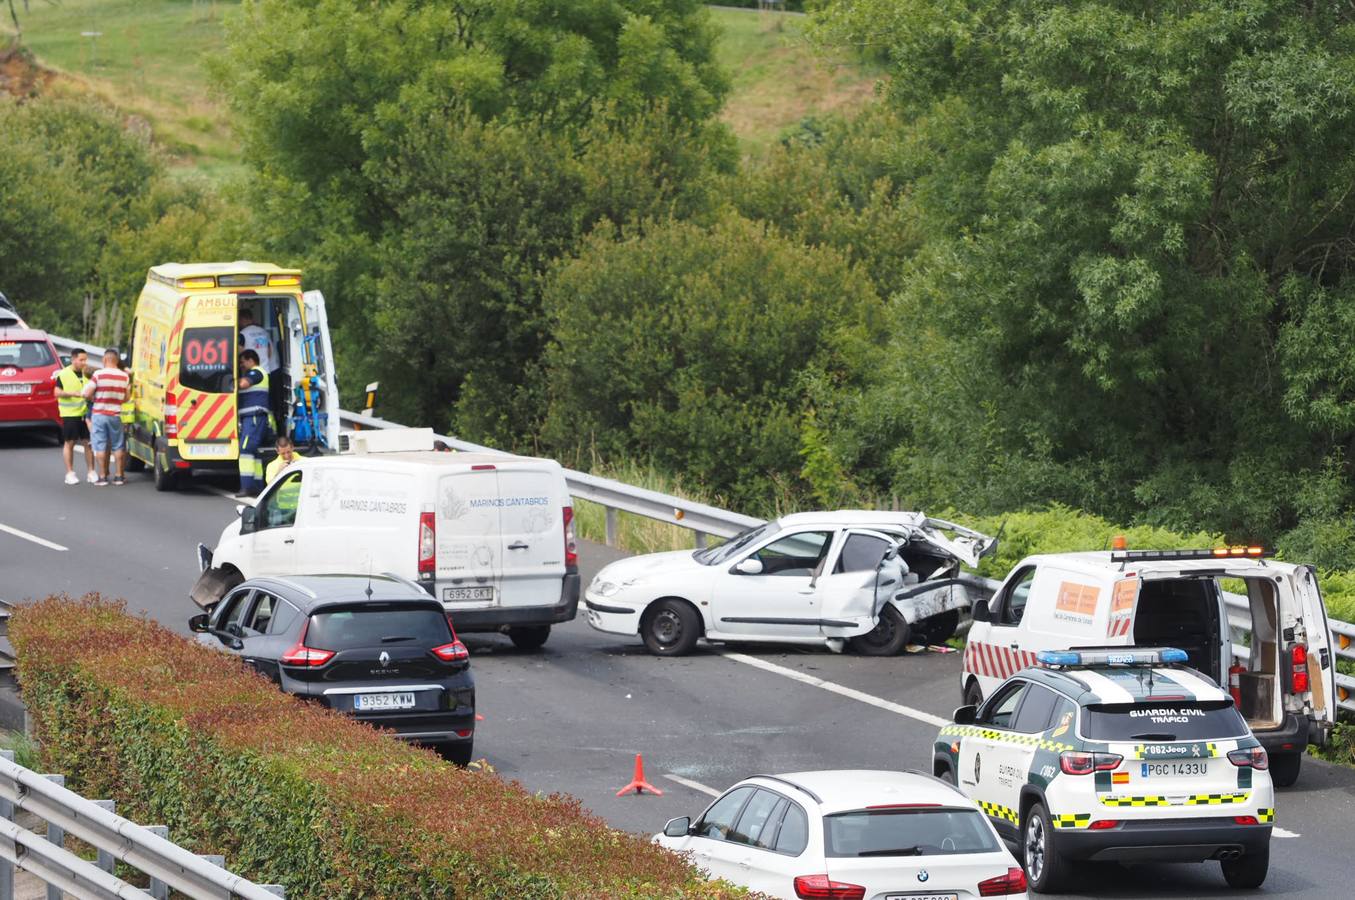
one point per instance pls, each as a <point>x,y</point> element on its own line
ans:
<point>670,628</point>
<point>1284,768</point>
<point>1247,871</point>
<point>1046,870</point>
<point>887,638</point>
<point>529,637</point>
<point>939,628</point>
<point>166,479</point>
<point>459,752</point>
<point>973,694</point>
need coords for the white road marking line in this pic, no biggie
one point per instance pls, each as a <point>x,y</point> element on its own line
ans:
<point>694,785</point>
<point>842,690</point>
<point>32,537</point>
<point>1276,831</point>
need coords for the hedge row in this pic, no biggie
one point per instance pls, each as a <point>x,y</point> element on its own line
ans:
<point>296,794</point>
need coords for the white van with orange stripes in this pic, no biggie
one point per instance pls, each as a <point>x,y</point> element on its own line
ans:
<point>1283,680</point>
<point>184,356</point>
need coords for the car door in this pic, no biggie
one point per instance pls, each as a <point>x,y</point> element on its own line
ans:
<point>711,850</point>
<point>769,593</point>
<point>230,614</point>
<point>1014,757</point>
<point>273,543</point>
<point>853,586</point>
<point>1000,655</point>
<point>759,865</point>
<point>982,752</point>
<point>264,632</point>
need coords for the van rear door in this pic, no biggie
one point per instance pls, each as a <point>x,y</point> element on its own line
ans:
<point>1321,662</point>
<point>205,400</point>
<point>469,548</point>
<point>532,534</point>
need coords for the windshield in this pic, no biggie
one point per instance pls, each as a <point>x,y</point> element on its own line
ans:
<point>912,831</point>
<point>25,354</point>
<point>1169,721</point>
<point>377,624</point>
<point>713,556</point>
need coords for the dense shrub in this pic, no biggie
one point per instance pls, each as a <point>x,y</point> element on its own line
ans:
<point>294,793</point>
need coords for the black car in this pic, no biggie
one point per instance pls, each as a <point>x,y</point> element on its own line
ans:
<point>378,649</point>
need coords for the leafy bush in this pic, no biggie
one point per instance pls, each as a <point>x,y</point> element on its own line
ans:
<point>294,793</point>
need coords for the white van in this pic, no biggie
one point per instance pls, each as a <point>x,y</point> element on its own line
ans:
<point>1285,675</point>
<point>490,535</point>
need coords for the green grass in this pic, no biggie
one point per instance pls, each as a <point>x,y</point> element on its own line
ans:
<point>148,58</point>
<point>778,79</point>
<point>146,61</point>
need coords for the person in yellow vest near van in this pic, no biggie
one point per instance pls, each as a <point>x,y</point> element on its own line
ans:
<point>252,407</point>
<point>286,456</point>
<point>71,405</point>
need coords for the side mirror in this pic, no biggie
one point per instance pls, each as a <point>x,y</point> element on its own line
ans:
<point>750,566</point>
<point>199,623</point>
<point>679,827</point>
<point>248,519</point>
<point>979,612</point>
<point>965,715</point>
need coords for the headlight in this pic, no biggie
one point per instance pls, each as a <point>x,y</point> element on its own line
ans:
<point>605,588</point>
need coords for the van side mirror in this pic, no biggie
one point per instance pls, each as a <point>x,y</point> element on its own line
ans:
<point>965,715</point>
<point>248,519</point>
<point>679,827</point>
<point>750,566</point>
<point>200,623</point>
<point>979,612</point>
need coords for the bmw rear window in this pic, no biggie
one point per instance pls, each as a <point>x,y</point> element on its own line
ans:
<point>378,624</point>
<point>1162,721</point>
<point>929,831</point>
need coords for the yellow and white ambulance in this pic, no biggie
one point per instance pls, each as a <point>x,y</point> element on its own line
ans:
<point>185,349</point>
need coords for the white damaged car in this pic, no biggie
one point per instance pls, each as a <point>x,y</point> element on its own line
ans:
<point>871,581</point>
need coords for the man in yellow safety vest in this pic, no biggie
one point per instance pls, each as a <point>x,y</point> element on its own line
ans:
<point>74,411</point>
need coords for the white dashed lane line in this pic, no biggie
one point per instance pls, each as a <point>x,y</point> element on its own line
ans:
<point>1283,833</point>
<point>694,785</point>
<point>41,542</point>
<point>841,690</point>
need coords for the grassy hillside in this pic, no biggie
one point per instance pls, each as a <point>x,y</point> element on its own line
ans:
<point>777,78</point>
<point>147,60</point>
<point>144,57</point>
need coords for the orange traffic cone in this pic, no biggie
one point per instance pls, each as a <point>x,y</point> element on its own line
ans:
<point>638,783</point>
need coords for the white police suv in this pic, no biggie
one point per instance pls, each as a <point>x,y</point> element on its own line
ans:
<point>1115,754</point>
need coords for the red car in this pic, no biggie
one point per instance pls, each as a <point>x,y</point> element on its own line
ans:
<point>27,393</point>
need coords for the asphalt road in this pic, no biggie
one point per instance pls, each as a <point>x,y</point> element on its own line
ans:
<point>572,717</point>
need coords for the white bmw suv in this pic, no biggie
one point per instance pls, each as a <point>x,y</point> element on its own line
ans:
<point>849,835</point>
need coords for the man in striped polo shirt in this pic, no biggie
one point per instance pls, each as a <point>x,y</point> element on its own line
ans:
<point>106,391</point>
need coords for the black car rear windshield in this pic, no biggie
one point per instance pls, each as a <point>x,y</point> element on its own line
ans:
<point>1164,721</point>
<point>926,831</point>
<point>25,354</point>
<point>376,625</point>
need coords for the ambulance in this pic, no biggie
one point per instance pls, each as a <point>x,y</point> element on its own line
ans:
<point>1282,679</point>
<point>184,364</point>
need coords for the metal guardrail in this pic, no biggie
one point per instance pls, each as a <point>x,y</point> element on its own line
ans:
<point>167,865</point>
<point>616,496</point>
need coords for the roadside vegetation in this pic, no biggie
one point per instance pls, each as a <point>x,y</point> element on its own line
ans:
<point>299,795</point>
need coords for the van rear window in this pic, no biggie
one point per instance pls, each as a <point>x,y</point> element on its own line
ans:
<point>207,359</point>
<point>1165,721</point>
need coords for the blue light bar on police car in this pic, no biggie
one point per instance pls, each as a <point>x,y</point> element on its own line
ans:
<point>1129,656</point>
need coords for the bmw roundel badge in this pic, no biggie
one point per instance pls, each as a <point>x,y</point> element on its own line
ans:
<point>922,875</point>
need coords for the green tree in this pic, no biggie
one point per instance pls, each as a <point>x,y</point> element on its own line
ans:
<point>1127,205</point>
<point>694,346</point>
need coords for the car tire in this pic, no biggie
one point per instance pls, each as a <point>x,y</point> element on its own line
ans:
<point>1284,768</point>
<point>1046,869</point>
<point>166,479</point>
<point>973,694</point>
<point>670,628</point>
<point>939,628</point>
<point>529,637</point>
<point>458,753</point>
<point>888,637</point>
<point>1249,870</point>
